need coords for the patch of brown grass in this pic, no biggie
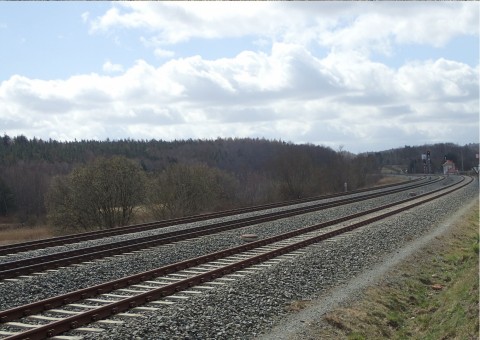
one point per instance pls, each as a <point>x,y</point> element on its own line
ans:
<point>432,296</point>
<point>297,305</point>
<point>385,180</point>
<point>10,235</point>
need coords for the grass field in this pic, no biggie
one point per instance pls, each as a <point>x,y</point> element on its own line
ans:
<point>433,296</point>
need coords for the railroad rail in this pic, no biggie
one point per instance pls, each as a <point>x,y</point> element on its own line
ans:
<point>195,272</point>
<point>27,266</point>
<point>68,239</point>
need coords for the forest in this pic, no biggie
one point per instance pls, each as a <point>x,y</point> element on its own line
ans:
<point>84,185</point>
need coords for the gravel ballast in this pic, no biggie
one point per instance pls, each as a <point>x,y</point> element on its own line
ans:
<point>77,277</point>
<point>249,306</point>
<point>160,231</point>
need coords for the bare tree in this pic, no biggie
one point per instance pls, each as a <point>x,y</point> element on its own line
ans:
<point>184,189</point>
<point>294,170</point>
<point>103,194</point>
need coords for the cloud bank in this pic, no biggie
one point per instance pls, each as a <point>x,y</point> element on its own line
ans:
<point>316,81</point>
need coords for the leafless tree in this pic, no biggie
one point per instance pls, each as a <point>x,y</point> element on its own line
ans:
<point>103,194</point>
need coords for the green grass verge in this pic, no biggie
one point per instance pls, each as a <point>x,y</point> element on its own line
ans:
<point>433,296</point>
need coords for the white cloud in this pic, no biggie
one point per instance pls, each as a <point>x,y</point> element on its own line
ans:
<point>109,67</point>
<point>440,80</point>
<point>386,24</point>
<point>178,21</point>
<point>286,90</point>
<point>85,16</point>
<point>360,26</point>
<point>161,53</point>
<point>287,93</point>
<point>435,25</point>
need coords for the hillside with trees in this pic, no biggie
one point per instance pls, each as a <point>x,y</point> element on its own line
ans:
<point>83,185</point>
<point>409,157</point>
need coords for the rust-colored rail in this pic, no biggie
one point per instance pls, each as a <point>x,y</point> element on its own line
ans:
<point>40,263</point>
<point>69,323</point>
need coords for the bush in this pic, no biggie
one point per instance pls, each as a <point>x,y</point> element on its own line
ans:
<point>183,190</point>
<point>103,194</point>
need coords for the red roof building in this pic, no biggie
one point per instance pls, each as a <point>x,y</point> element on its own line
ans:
<point>449,168</point>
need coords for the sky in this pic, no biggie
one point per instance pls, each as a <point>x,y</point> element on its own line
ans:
<point>357,76</point>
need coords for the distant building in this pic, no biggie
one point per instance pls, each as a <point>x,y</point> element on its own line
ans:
<point>449,168</point>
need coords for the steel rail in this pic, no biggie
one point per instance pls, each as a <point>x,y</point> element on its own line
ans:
<point>68,239</point>
<point>27,266</point>
<point>66,324</point>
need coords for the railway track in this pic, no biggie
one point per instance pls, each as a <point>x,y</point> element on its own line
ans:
<point>187,277</point>
<point>69,239</point>
<point>16,268</point>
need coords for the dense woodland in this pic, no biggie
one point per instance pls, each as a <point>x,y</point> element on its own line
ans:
<point>409,157</point>
<point>82,185</point>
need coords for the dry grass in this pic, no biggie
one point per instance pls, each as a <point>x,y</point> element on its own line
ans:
<point>433,296</point>
<point>14,234</point>
<point>390,180</point>
<point>297,305</point>
<point>392,169</point>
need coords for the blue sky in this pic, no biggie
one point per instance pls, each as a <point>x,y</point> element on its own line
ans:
<point>50,40</point>
<point>364,76</point>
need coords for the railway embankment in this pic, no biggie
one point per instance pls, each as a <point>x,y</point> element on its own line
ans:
<point>252,304</point>
<point>427,289</point>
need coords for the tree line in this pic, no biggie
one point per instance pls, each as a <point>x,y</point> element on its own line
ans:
<point>83,185</point>
<point>409,157</point>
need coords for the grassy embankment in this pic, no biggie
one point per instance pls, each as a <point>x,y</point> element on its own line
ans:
<point>433,296</point>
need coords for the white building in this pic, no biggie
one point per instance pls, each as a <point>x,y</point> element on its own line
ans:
<point>449,168</point>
